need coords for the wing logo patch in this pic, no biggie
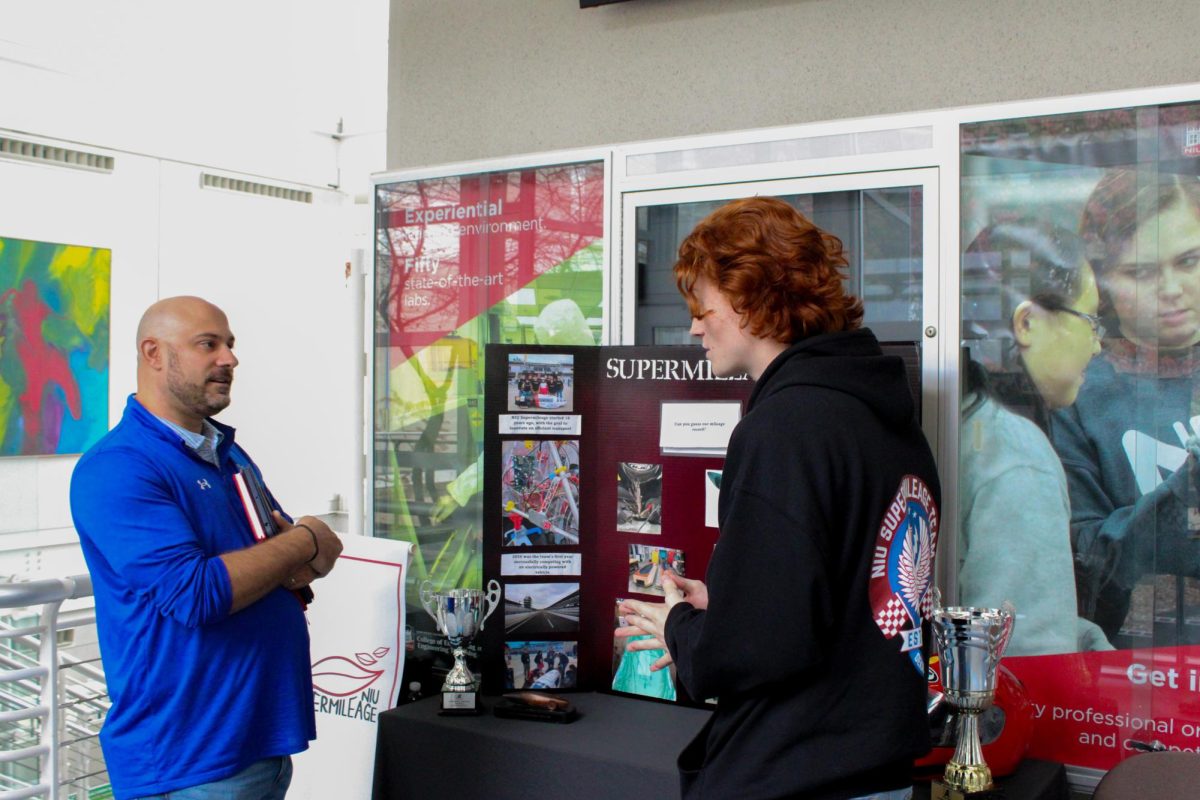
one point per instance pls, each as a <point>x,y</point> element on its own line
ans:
<point>902,567</point>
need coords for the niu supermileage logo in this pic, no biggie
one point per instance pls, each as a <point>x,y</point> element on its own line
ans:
<point>343,686</point>
<point>902,567</point>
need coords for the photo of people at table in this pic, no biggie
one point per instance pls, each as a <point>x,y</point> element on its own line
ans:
<point>532,608</point>
<point>648,564</point>
<point>546,666</point>
<point>541,382</point>
<point>1081,339</point>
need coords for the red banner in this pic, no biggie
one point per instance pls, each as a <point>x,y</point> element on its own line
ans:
<point>1089,708</point>
<point>453,247</point>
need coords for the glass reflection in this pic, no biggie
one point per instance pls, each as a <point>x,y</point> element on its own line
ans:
<point>1125,181</point>
<point>881,230</point>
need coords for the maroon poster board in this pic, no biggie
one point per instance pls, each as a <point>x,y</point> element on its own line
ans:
<point>612,397</point>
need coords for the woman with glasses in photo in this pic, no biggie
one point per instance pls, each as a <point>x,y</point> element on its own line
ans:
<point>1128,445</point>
<point>1014,532</point>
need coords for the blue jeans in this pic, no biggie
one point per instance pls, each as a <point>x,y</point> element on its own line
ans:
<point>263,780</point>
<point>898,794</point>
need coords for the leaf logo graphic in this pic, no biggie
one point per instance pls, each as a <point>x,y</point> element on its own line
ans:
<point>338,676</point>
<point>369,659</point>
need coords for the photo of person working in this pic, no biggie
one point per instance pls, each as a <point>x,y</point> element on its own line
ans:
<point>1129,444</point>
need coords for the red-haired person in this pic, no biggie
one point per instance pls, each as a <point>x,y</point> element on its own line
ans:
<point>811,627</point>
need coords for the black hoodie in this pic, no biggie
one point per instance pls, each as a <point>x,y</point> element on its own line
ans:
<point>807,642</point>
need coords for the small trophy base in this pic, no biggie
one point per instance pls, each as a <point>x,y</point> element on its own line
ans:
<point>461,704</point>
<point>940,791</point>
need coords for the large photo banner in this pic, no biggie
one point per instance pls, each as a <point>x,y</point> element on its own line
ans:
<point>1078,468</point>
<point>463,261</point>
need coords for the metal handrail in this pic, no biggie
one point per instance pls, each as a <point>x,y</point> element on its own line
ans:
<point>18,594</point>
<point>49,594</point>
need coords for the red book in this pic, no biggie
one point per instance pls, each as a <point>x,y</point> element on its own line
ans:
<point>258,513</point>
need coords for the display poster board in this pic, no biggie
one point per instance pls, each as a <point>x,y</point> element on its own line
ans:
<point>602,467</point>
<point>1081,239</point>
<point>513,255</point>
<point>356,625</point>
<point>602,474</point>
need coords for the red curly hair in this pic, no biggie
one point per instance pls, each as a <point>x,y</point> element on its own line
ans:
<point>782,273</point>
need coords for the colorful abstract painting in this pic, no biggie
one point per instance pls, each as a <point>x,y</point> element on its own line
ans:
<point>54,330</point>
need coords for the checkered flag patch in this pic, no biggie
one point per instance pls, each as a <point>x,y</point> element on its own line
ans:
<point>893,618</point>
<point>927,604</point>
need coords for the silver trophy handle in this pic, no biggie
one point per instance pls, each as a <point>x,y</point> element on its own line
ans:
<point>426,595</point>
<point>1008,613</point>
<point>492,599</point>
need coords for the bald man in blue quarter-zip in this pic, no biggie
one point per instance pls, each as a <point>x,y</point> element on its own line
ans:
<point>204,641</point>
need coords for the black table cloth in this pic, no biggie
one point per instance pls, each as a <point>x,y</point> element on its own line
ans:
<point>619,748</point>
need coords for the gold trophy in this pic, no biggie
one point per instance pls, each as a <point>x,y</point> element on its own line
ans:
<point>970,643</point>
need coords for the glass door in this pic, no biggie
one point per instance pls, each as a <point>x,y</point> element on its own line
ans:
<point>887,222</point>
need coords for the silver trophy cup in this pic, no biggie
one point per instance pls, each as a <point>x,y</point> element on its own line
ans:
<point>459,615</point>
<point>970,643</point>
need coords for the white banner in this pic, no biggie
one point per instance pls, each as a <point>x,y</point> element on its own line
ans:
<point>356,624</point>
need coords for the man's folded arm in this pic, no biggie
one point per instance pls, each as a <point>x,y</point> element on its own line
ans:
<point>304,552</point>
<point>137,527</point>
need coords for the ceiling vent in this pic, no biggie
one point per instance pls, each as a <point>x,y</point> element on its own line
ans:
<point>20,150</point>
<point>210,181</point>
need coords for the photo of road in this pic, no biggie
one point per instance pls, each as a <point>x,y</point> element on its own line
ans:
<point>538,608</point>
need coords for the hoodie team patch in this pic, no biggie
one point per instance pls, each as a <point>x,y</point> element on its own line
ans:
<point>902,567</point>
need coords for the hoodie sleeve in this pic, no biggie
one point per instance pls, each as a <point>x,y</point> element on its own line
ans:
<point>127,516</point>
<point>770,604</point>
<point>1028,564</point>
<point>1130,539</point>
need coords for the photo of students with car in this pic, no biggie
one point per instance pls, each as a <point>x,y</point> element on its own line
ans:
<point>544,666</point>
<point>540,382</point>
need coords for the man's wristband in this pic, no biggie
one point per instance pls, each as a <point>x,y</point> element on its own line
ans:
<point>316,547</point>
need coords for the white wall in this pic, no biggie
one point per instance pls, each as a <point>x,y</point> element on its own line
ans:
<point>70,206</point>
<point>275,266</point>
<point>471,80</point>
<point>250,86</point>
<point>253,90</point>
